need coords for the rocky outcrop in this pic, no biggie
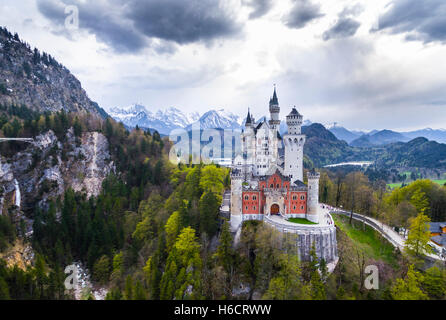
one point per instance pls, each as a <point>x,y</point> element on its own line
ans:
<point>89,173</point>
<point>47,167</point>
<point>38,81</point>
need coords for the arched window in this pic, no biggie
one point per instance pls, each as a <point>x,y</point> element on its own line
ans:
<point>271,186</point>
<point>254,198</point>
<point>302,197</point>
<point>246,197</point>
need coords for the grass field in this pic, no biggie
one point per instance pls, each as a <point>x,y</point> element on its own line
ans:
<point>397,185</point>
<point>367,240</point>
<point>301,221</point>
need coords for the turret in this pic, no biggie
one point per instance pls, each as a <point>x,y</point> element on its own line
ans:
<point>274,111</point>
<point>313,196</point>
<point>294,122</point>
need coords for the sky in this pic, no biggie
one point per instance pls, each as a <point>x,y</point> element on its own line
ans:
<point>364,64</point>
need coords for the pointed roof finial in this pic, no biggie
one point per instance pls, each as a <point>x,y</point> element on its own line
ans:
<point>274,99</point>
<point>248,118</point>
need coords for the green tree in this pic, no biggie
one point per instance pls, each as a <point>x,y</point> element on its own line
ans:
<point>172,228</point>
<point>287,285</point>
<point>209,206</point>
<point>434,283</point>
<point>419,236</point>
<point>181,279</point>
<point>101,269</point>
<point>409,288</point>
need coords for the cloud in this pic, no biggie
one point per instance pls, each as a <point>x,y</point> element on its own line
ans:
<point>421,20</point>
<point>352,11</point>
<point>259,7</point>
<point>302,13</point>
<point>343,28</point>
<point>130,26</point>
<point>183,21</point>
<point>349,82</point>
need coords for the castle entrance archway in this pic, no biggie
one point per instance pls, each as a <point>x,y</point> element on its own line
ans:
<point>275,209</point>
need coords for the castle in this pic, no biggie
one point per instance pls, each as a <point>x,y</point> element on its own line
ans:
<point>267,183</point>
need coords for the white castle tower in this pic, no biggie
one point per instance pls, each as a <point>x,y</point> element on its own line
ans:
<point>274,111</point>
<point>313,196</point>
<point>294,147</point>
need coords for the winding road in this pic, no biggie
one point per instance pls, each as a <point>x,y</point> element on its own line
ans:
<point>386,231</point>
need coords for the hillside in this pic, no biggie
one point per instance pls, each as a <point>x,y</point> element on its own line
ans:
<point>36,80</point>
<point>323,148</point>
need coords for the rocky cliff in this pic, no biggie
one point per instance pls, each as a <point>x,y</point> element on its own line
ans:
<point>48,166</point>
<point>38,81</point>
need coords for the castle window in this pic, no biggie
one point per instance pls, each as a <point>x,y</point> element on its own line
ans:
<point>277,185</point>
<point>294,197</point>
<point>271,186</point>
<point>301,207</point>
<point>246,208</point>
<point>302,197</point>
<point>294,207</point>
<point>254,198</point>
<point>246,197</point>
<point>254,207</point>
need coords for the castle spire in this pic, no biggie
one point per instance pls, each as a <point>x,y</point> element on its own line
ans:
<point>274,99</point>
<point>248,119</point>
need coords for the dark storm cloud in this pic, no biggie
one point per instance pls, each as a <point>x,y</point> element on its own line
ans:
<point>259,7</point>
<point>422,20</point>
<point>343,28</point>
<point>183,21</point>
<point>129,26</point>
<point>302,12</point>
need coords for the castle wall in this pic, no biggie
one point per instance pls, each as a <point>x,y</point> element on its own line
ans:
<point>324,240</point>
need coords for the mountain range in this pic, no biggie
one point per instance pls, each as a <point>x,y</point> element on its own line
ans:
<point>383,137</point>
<point>172,118</point>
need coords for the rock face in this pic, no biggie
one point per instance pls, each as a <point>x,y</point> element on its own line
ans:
<point>96,165</point>
<point>38,81</point>
<point>46,168</point>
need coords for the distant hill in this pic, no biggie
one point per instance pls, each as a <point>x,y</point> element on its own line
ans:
<point>37,81</point>
<point>343,134</point>
<point>438,135</point>
<point>349,136</point>
<point>419,152</point>
<point>379,138</point>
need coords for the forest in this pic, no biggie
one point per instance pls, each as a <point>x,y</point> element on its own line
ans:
<point>154,231</point>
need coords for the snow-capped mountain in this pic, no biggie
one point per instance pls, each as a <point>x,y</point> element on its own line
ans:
<point>217,119</point>
<point>164,121</point>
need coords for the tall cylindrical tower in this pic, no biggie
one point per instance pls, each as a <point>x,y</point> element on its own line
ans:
<point>294,147</point>
<point>313,196</point>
